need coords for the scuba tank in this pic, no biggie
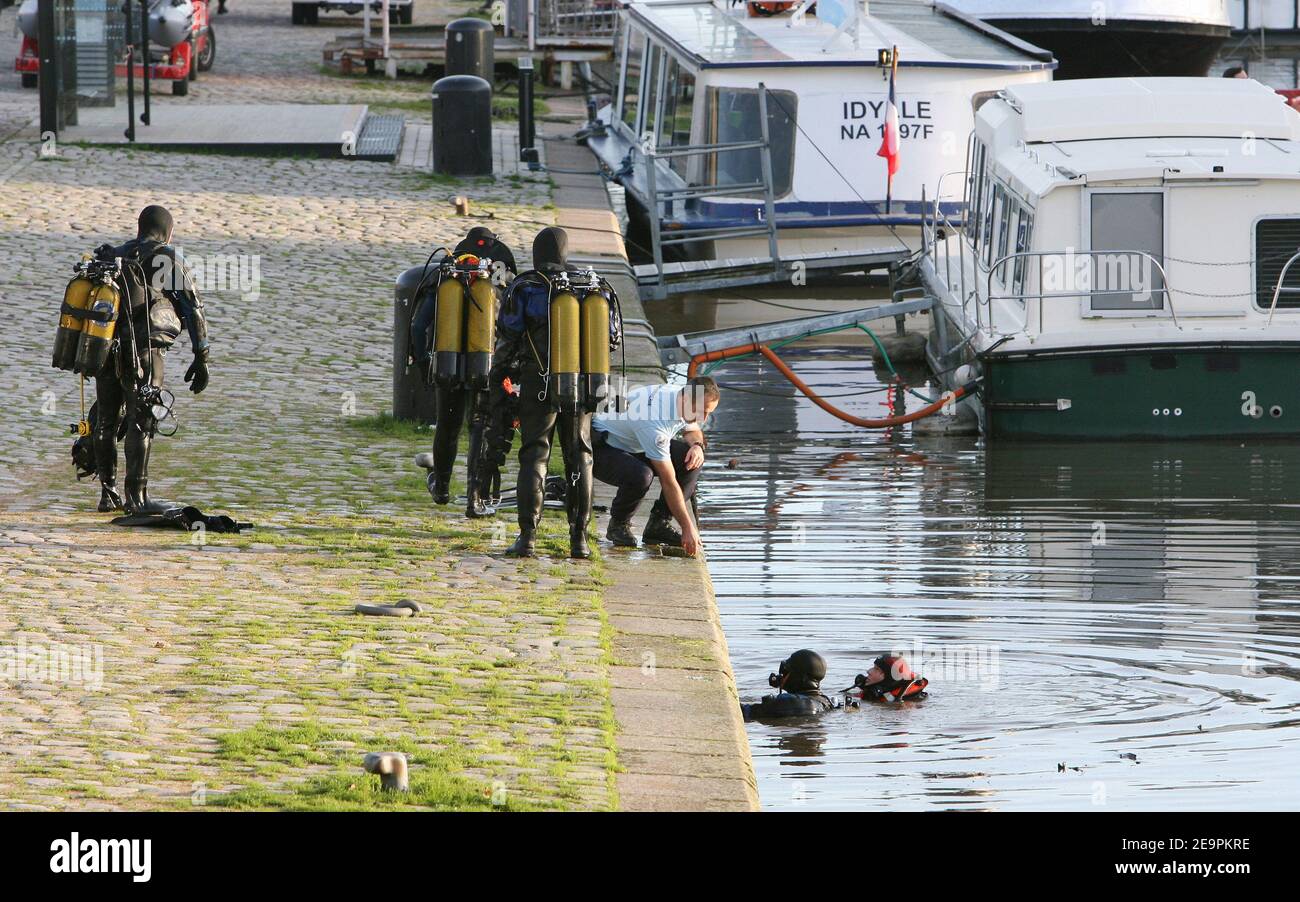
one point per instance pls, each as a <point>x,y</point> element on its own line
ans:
<point>76,299</point>
<point>448,328</point>
<point>566,346</point>
<point>595,344</point>
<point>464,330</point>
<point>88,318</point>
<point>480,326</point>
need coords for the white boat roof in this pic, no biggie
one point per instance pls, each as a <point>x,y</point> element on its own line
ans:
<point>1188,12</point>
<point>926,34</point>
<point>1095,108</point>
<point>1111,129</point>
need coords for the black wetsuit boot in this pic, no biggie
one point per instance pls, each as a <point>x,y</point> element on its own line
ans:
<point>577,466</point>
<point>446,441</point>
<point>536,425</point>
<point>476,492</point>
<point>106,468</point>
<point>136,501</point>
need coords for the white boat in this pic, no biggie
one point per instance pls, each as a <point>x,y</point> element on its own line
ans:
<point>1115,38</point>
<point>1130,265</point>
<point>685,137</point>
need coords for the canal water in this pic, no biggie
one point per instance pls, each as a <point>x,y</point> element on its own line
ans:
<point>1105,626</point>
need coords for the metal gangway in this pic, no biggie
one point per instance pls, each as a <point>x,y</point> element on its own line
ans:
<point>687,347</point>
<point>670,197</point>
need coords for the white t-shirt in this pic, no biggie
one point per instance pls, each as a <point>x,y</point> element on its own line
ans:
<point>649,424</point>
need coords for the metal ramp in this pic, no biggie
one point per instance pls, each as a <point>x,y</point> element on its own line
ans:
<point>659,282</point>
<point>678,349</point>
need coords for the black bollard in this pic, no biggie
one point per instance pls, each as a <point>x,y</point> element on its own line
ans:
<point>470,49</point>
<point>462,126</point>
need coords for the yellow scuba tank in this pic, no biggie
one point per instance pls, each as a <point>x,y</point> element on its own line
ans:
<point>480,330</point>
<point>100,324</point>
<point>566,354</point>
<point>595,348</point>
<point>76,299</point>
<point>449,329</point>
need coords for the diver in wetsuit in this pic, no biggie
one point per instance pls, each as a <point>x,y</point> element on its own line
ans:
<point>454,399</point>
<point>524,339</point>
<point>159,299</point>
<point>798,681</point>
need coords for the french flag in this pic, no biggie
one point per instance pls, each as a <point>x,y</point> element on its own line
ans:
<point>889,141</point>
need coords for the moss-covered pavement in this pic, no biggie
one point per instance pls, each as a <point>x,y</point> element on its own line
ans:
<point>231,671</point>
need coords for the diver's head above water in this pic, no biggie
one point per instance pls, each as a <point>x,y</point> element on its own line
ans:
<point>803,671</point>
<point>551,250</point>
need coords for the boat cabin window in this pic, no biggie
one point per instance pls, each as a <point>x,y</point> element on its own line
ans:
<point>653,87</point>
<point>1126,231</point>
<point>1024,223</point>
<point>675,121</point>
<point>1005,225</point>
<point>974,201</point>
<point>991,220</point>
<point>1275,241</point>
<point>632,77</point>
<point>732,116</point>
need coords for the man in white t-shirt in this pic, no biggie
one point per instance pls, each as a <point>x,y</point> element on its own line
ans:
<point>659,433</point>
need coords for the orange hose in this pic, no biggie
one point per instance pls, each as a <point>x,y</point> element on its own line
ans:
<point>883,423</point>
<point>710,356</point>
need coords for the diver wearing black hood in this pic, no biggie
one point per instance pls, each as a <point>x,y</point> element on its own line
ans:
<point>454,400</point>
<point>159,299</point>
<point>523,341</point>
<point>798,681</point>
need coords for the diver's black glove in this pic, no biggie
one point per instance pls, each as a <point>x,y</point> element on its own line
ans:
<point>197,374</point>
<point>104,252</point>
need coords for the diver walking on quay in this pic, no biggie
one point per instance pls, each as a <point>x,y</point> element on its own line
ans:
<point>558,327</point>
<point>129,305</point>
<point>452,342</point>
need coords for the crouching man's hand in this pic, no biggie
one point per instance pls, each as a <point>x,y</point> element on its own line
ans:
<point>690,538</point>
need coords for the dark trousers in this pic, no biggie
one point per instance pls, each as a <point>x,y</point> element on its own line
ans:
<point>538,422</point>
<point>633,474</point>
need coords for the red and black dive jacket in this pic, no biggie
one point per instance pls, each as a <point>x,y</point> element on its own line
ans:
<point>889,690</point>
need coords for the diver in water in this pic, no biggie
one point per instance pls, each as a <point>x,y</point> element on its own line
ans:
<point>524,339</point>
<point>798,683</point>
<point>159,299</point>
<point>890,679</point>
<point>455,399</point>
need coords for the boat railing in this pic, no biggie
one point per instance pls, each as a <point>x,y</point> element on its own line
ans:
<point>1068,255</point>
<point>1279,287</point>
<point>662,195</point>
<point>574,20</point>
<point>940,219</point>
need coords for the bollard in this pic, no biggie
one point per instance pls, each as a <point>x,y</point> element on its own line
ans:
<point>413,397</point>
<point>392,770</point>
<point>527,130</point>
<point>470,49</point>
<point>462,126</point>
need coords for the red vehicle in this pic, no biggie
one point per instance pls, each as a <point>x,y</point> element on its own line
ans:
<point>179,64</point>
